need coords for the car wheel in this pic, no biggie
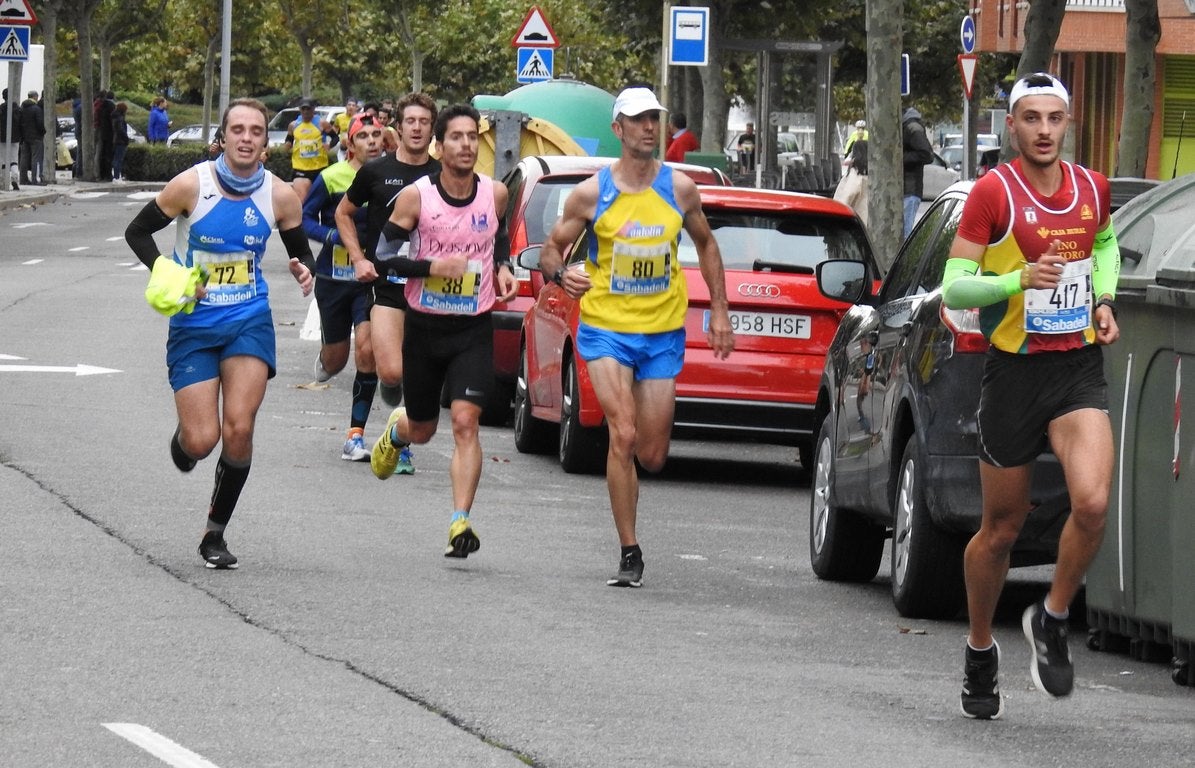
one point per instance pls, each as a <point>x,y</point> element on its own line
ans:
<point>843,545</point>
<point>927,562</point>
<point>531,434</point>
<point>496,410</point>
<point>582,449</point>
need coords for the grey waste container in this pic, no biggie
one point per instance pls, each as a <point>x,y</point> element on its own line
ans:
<point>1142,583</point>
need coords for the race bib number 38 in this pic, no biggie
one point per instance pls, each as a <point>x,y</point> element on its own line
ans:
<point>640,269</point>
<point>1065,308</point>
<point>458,295</point>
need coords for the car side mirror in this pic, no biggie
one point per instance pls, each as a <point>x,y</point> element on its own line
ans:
<point>529,258</point>
<point>842,280</point>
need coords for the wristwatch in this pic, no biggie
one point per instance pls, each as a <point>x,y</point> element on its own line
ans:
<point>1109,303</point>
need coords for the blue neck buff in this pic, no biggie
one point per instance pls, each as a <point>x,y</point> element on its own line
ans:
<point>239,184</point>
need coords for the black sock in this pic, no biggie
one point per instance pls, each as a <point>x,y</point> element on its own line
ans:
<point>181,460</point>
<point>230,479</point>
<point>364,386</point>
<point>632,550</point>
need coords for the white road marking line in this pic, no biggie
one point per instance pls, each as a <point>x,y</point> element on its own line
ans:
<point>27,224</point>
<point>159,746</point>
<point>118,238</point>
<point>87,195</point>
<point>78,248</point>
<point>11,357</point>
<point>311,328</point>
<point>31,261</point>
<point>80,369</point>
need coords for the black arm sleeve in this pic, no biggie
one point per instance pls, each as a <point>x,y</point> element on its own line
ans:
<point>297,246</point>
<point>501,246</point>
<point>140,232</point>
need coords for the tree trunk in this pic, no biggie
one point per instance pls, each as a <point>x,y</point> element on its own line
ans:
<point>209,84</point>
<point>105,65</point>
<point>714,101</point>
<point>1042,25</point>
<point>416,70</point>
<point>308,51</point>
<point>1142,32</point>
<point>49,25</point>
<point>885,202</point>
<point>87,158</point>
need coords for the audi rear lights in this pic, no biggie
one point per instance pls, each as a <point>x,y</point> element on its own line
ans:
<point>963,325</point>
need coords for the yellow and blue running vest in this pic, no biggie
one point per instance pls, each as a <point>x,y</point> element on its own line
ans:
<point>308,152</point>
<point>637,283</point>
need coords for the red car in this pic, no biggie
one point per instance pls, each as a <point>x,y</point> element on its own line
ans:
<point>771,243</point>
<point>538,186</point>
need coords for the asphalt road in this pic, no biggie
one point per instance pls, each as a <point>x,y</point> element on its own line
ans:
<point>346,639</point>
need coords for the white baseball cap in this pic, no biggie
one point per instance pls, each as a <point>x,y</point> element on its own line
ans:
<point>1038,84</point>
<point>636,101</point>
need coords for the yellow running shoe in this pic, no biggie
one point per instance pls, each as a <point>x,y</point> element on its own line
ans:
<point>461,539</point>
<point>384,457</point>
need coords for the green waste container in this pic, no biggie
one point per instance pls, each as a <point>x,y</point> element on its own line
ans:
<point>1142,583</point>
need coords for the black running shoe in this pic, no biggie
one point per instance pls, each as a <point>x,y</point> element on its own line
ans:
<point>630,571</point>
<point>1051,665</point>
<point>981,697</point>
<point>214,551</point>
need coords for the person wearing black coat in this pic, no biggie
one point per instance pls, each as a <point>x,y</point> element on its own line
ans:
<point>14,147</point>
<point>33,145</point>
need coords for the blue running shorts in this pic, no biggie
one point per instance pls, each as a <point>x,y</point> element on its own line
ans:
<point>194,354</point>
<point>649,355</point>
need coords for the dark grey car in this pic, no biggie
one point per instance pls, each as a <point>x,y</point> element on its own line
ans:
<point>896,452</point>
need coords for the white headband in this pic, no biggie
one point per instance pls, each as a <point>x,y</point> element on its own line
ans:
<point>1023,89</point>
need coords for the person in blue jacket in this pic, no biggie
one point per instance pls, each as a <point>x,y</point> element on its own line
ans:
<point>159,122</point>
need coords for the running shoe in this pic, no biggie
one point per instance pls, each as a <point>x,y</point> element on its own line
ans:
<point>321,373</point>
<point>1051,666</point>
<point>981,697</point>
<point>355,450</point>
<point>630,571</point>
<point>384,458</point>
<point>405,467</point>
<point>462,541</point>
<point>214,551</point>
<point>391,395</point>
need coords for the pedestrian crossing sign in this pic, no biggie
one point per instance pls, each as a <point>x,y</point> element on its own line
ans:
<point>534,65</point>
<point>14,43</point>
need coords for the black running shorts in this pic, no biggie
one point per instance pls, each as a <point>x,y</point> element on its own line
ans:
<point>1021,394</point>
<point>446,352</point>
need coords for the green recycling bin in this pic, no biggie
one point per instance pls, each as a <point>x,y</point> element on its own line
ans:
<point>1140,586</point>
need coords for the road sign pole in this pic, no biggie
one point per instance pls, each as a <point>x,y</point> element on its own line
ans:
<point>665,56</point>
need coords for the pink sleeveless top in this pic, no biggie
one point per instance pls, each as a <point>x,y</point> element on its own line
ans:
<point>447,227</point>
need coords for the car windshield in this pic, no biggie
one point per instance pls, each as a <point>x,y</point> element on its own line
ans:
<point>757,241</point>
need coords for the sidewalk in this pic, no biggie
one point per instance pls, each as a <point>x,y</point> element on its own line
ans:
<point>66,185</point>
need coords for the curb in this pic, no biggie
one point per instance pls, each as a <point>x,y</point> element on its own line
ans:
<point>53,192</point>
